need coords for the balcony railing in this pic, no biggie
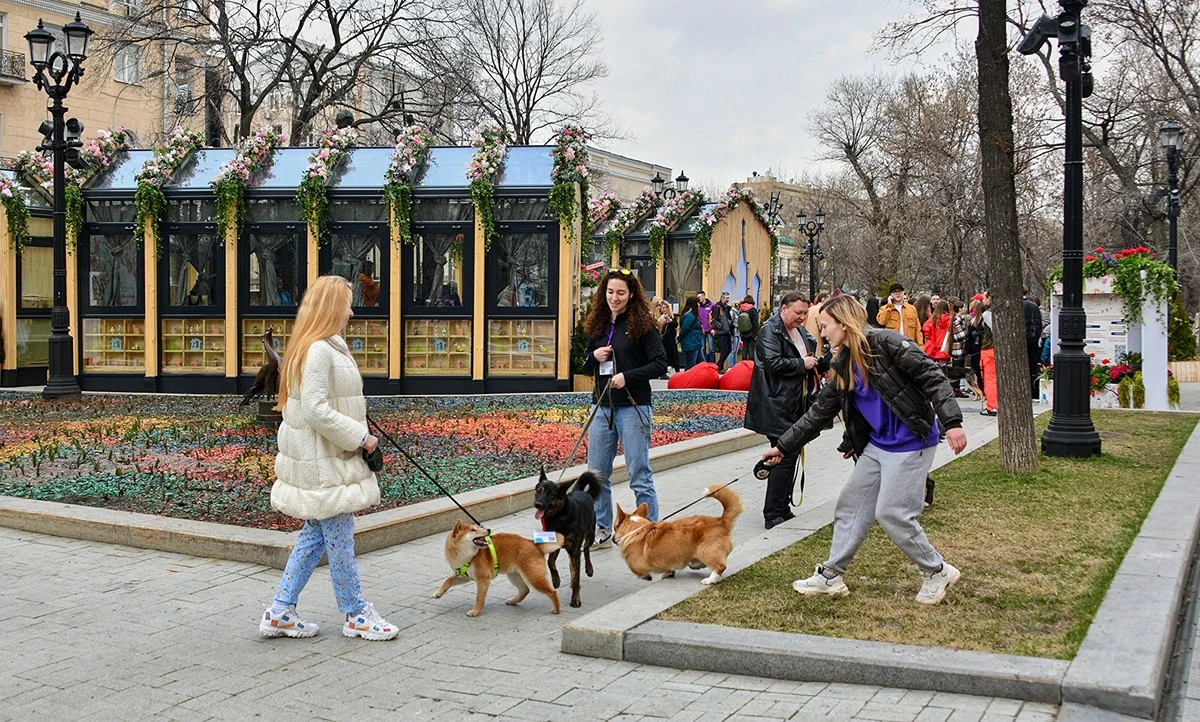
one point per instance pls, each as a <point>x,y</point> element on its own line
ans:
<point>12,67</point>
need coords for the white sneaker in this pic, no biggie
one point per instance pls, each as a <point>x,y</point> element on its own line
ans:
<point>285,624</point>
<point>818,583</point>
<point>369,625</point>
<point>933,589</point>
<point>604,538</point>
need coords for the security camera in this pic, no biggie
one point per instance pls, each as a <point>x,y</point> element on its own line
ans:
<point>74,129</point>
<point>1045,28</point>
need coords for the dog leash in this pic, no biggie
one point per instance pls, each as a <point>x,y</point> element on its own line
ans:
<point>668,516</point>
<point>420,468</point>
<point>583,434</point>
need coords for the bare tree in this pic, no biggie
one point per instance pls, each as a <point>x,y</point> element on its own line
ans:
<point>1018,450</point>
<point>527,64</point>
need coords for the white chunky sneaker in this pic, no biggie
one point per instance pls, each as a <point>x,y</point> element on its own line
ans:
<point>285,624</point>
<point>933,589</point>
<point>818,583</point>
<point>369,625</point>
<point>604,539</point>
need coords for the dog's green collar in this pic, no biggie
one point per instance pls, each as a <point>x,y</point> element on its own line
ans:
<point>462,571</point>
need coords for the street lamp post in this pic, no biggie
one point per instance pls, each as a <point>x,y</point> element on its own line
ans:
<point>659,184</point>
<point>56,72</point>
<point>812,229</point>
<point>1070,432</point>
<point>1171,135</point>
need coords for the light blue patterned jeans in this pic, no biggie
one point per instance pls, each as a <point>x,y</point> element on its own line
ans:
<point>334,537</point>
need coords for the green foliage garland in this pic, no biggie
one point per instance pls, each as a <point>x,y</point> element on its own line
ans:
<point>482,171</point>
<point>1181,342</point>
<point>411,155</point>
<point>570,155</point>
<point>625,219</point>
<point>74,197</point>
<point>314,203</point>
<point>671,213</point>
<point>254,155</point>
<point>149,199</point>
<point>16,212</point>
<point>1126,269</point>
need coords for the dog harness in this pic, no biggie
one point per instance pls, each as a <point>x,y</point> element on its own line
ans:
<point>462,571</point>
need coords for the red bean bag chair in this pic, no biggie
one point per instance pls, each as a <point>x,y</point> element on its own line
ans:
<point>738,377</point>
<point>703,375</point>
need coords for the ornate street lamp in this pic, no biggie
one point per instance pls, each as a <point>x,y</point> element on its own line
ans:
<point>1070,432</point>
<point>1171,135</point>
<point>660,187</point>
<point>56,73</point>
<point>812,229</point>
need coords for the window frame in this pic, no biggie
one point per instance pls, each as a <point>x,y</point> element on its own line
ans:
<point>217,308</point>
<point>86,308</point>
<point>383,232</point>
<point>122,64</point>
<point>491,281</point>
<point>243,266</point>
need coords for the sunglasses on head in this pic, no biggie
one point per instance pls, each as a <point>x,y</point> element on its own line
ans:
<point>620,272</point>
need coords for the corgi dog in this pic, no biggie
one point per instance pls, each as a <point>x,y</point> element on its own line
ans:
<point>666,546</point>
<point>470,556</point>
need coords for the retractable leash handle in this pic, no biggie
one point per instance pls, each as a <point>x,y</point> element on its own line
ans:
<point>421,469</point>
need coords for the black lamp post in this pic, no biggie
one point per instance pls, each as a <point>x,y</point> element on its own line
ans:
<point>812,229</point>
<point>56,72</point>
<point>659,184</point>
<point>1070,432</point>
<point>1171,135</point>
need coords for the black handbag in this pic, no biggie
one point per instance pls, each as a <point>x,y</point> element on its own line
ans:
<point>374,459</point>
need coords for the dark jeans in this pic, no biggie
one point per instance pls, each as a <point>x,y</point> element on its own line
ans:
<point>709,352</point>
<point>957,362</point>
<point>724,347</point>
<point>747,353</point>
<point>691,357</point>
<point>777,504</point>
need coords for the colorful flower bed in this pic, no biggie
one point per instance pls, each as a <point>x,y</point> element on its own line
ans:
<point>203,458</point>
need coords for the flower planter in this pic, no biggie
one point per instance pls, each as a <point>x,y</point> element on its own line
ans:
<point>1106,399</point>
<point>1185,371</point>
<point>1046,392</point>
<point>582,382</point>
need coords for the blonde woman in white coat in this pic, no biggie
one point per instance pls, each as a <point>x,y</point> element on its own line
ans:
<point>321,476</point>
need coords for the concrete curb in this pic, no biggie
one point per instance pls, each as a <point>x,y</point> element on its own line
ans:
<point>1118,673</point>
<point>372,531</point>
<point>806,658</point>
<point>1121,665</point>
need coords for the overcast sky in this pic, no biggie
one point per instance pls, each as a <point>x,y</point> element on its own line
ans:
<point>719,89</point>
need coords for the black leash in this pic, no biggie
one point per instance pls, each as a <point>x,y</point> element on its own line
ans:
<point>420,468</point>
<point>668,516</point>
<point>583,434</point>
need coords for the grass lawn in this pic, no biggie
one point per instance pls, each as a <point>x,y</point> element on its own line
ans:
<point>1037,553</point>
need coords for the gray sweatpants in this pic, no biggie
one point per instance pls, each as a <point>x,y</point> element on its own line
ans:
<point>888,486</point>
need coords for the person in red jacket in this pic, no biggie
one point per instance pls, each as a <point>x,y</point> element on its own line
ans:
<point>938,340</point>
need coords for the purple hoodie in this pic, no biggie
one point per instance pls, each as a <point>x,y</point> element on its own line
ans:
<point>704,312</point>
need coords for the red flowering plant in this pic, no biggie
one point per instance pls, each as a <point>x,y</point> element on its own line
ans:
<point>1126,266</point>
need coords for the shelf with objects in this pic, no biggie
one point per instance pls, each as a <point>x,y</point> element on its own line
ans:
<point>191,276</point>
<point>111,282</point>
<point>30,272</point>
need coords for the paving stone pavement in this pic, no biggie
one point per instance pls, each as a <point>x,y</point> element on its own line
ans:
<point>99,632</point>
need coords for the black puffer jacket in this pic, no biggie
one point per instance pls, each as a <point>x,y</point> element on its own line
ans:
<point>780,388</point>
<point>907,380</point>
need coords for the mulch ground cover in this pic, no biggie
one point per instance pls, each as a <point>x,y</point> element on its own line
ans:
<point>202,457</point>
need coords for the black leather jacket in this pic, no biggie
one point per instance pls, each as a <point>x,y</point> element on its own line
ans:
<point>780,387</point>
<point>907,380</point>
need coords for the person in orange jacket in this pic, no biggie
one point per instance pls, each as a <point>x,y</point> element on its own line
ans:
<point>899,315</point>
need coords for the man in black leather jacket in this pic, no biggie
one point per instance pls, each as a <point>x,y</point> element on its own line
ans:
<point>783,382</point>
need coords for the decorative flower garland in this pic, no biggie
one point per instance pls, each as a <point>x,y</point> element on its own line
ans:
<point>671,213</point>
<point>97,153</point>
<point>16,212</point>
<point>600,208</point>
<point>1126,269</point>
<point>412,152</point>
<point>314,203</point>
<point>149,197</point>
<point>36,168</point>
<point>570,167</point>
<point>725,205</point>
<point>625,219</point>
<point>482,171</point>
<point>254,155</point>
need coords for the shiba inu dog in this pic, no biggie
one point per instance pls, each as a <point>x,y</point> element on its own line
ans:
<point>471,557</point>
<point>666,546</point>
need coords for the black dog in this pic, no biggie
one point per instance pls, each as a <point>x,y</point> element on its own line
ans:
<point>572,514</point>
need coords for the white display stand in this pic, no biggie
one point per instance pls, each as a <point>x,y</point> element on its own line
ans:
<point>1108,338</point>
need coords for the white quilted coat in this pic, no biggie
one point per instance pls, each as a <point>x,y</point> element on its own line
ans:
<point>319,472</point>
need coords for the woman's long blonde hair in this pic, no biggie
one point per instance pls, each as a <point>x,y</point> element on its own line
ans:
<point>847,312</point>
<point>322,314</point>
